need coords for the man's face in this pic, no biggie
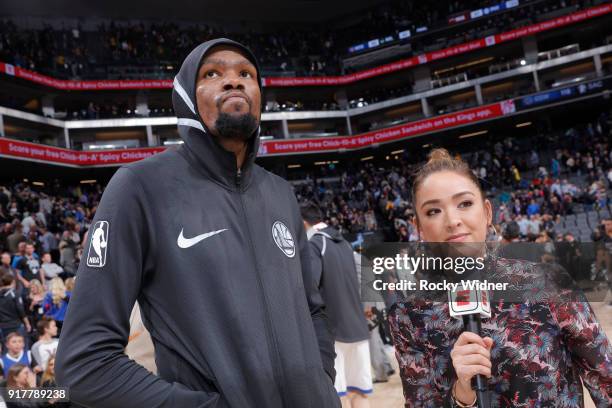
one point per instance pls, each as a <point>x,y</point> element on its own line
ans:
<point>228,94</point>
<point>29,249</point>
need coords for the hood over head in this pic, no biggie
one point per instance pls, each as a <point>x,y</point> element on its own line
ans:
<point>333,234</point>
<point>200,145</point>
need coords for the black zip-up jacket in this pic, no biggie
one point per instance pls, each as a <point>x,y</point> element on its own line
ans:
<point>335,273</point>
<point>218,261</point>
<point>12,311</point>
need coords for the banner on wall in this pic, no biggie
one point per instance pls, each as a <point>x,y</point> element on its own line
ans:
<point>57,155</point>
<point>420,127</point>
<point>480,43</point>
<point>561,21</point>
<point>568,92</point>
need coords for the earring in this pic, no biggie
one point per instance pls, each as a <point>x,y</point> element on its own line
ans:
<point>492,246</point>
<point>494,230</point>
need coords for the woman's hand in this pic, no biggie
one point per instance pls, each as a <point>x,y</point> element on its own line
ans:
<point>31,379</point>
<point>471,356</point>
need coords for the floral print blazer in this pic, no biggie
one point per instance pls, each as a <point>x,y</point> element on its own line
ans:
<point>544,348</point>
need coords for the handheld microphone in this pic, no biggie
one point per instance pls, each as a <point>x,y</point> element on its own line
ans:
<point>471,305</point>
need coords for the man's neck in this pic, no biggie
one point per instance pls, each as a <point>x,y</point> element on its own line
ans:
<point>45,338</point>
<point>14,354</point>
<point>239,148</point>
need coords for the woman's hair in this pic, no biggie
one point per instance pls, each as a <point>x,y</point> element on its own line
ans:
<point>49,374</point>
<point>69,284</point>
<point>57,290</point>
<point>36,283</point>
<point>13,372</point>
<point>441,160</point>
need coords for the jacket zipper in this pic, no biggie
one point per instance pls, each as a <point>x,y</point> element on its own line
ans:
<point>278,373</point>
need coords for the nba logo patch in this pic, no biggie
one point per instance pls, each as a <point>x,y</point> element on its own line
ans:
<point>9,69</point>
<point>96,256</point>
<point>283,239</point>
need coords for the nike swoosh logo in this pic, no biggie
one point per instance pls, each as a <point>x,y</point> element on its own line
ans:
<point>183,242</point>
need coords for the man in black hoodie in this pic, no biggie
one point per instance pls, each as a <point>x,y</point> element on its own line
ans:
<point>335,273</point>
<point>213,249</point>
<point>12,313</point>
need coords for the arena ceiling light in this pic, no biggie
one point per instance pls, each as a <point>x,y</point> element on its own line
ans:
<point>397,151</point>
<point>367,158</point>
<point>480,132</point>
<point>88,181</point>
<point>519,125</point>
<point>294,166</point>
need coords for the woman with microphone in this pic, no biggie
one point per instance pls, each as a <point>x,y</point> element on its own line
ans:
<point>534,352</point>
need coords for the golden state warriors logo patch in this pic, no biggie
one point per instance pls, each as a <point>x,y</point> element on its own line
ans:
<point>283,239</point>
<point>96,256</point>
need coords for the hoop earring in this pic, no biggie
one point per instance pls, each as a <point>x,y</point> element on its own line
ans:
<point>492,246</point>
<point>494,231</point>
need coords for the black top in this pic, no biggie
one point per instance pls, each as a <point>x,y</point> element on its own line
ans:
<point>11,309</point>
<point>334,272</point>
<point>217,264</point>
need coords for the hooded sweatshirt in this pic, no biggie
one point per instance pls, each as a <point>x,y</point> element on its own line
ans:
<point>335,273</point>
<point>218,261</point>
